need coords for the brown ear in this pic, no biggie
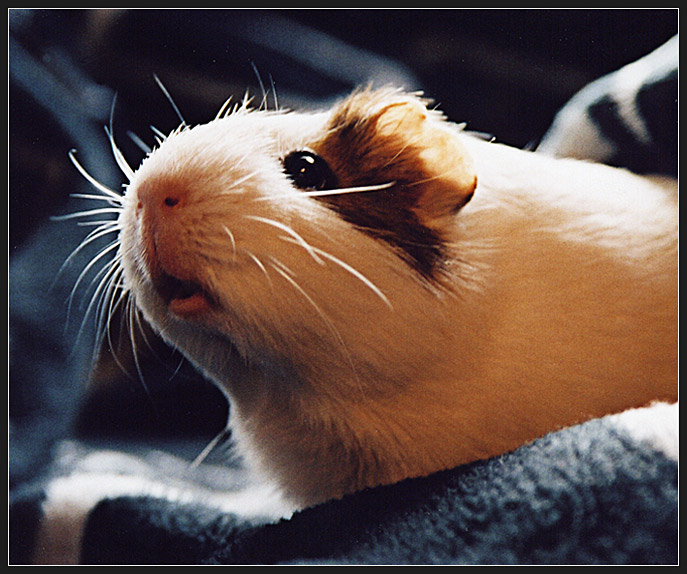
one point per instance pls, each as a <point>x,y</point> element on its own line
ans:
<point>446,176</point>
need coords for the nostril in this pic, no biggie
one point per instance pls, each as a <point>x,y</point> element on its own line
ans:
<point>159,194</point>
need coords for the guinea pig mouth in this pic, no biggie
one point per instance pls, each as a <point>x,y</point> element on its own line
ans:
<point>183,298</point>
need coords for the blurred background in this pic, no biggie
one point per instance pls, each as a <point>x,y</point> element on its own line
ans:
<point>504,72</point>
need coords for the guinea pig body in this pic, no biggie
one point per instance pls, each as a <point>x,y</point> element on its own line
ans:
<point>382,295</point>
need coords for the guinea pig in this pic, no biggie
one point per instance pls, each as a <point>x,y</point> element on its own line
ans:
<point>381,294</point>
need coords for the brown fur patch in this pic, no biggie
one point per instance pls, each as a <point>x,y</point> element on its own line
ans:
<point>381,137</point>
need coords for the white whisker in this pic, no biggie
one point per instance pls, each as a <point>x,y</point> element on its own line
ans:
<point>220,438</point>
<point>102,253</point>
<point>241,180</point>
<point>232,239</point>
<point>106,296</point>
<point>94,182</point>
<point>125,320</point>
<point>245,104</point>
<point>170,99</point>
<point>109,304</point>
<point>143,146</point>
<point>86,213</point>
<point>287,274</point>
<point>141,326</point>
<point>134,314</point>
<point>112,201</point>
<point>299,240</point>
<point>160,135</point>
<point>260,265</point>
<point>111,224</point>
<point>103,277</point>
<point>357,274</point>
<point>331,192</point>
<point>119,157</point>
<point>274,93</point>
<point>274,261</point>
<point>342,191</point>
<point>263,103</point>
<point>94,235</point>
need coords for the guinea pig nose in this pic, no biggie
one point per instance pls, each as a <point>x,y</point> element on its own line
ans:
<point>170,196</point>
<point>161,195</point>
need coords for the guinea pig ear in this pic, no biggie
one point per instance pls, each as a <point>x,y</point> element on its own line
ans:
<point>444,173</point>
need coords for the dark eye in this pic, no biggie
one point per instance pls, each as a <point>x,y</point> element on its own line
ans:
<point>309,171</point>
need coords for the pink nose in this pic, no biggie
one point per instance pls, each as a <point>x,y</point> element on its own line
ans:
<point>162,196</point>
<point>160,213</point>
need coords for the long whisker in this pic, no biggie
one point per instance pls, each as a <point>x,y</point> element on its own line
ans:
<point>134,315</point>
<point>109,304</point>
<point>220,438</point>
<point>170,99</point>
<point>263,103</point>
<point>299,240</point>
<point>103,277</point>
<point>287,274</point>
<point>160,135</point>
<point>274,93</point>
<point>140,144</point>
<point>107,290</point>
<point>137,325</point>
<point>260,265</point>
<point>232,239</point>
<point>86,213</point>
<point>94,235</point>
<point>111,224</point>
<point>94,182</point>
<point>119,157</point>
<point>241,180</point>
<point>357,274</point>
<point>112,201</point>
<point>344,190</point>
<point>333,192</point>
<point>123,298</point>
<point>102,253</point>
<point>142,325</point>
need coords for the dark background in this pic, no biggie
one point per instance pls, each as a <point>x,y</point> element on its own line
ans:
<point>504,72</point>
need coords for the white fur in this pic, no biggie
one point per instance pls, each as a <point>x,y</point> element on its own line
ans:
<point>106,475</point>
<point>68,503</point>
<point>559,305</point>
<point>656,425</point>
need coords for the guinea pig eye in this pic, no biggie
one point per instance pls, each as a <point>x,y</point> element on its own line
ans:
<point>309,171</point>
